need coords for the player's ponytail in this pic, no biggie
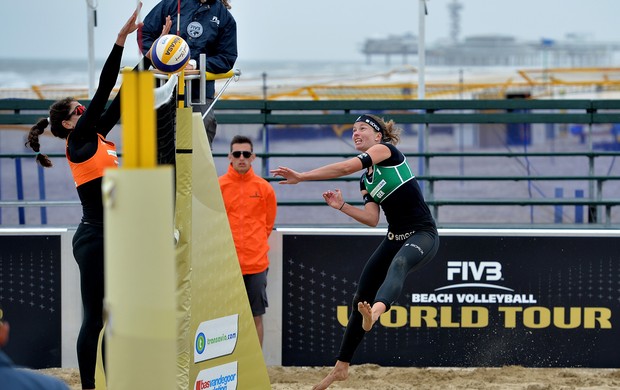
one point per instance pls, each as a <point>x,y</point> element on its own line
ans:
<point>59,111</point>
<point>33,141</point>
<point>390,131</point>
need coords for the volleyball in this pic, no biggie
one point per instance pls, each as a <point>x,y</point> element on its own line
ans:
<point>169,53</point>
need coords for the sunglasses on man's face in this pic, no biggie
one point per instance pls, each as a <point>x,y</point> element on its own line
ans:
<point>237,154</point>
<point>78,110</point>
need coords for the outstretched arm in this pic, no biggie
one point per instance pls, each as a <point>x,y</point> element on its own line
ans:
<point>129,27</point>
<point>377,154</point>
<point>330,171</point>
<point>113,113</point>
<point>97,118</point>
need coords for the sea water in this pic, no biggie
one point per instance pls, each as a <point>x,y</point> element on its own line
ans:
<point>23,73</point>
<point>256,76</point>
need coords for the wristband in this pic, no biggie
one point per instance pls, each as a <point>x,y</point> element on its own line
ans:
<point>343,203</point>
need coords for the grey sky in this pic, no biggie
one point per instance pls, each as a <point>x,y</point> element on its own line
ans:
<point>309,30</point>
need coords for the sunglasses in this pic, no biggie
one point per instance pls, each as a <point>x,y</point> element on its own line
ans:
<point>78,110</point>
<point>238,154</point>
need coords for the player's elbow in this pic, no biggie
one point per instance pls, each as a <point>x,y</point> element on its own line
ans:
<point>372,221</point>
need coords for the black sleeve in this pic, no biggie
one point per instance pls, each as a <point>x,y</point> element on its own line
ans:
<point>90,121</point>
<point>365,159</point>
<point>112,114</point>
<point>367,198</point>
<point>395,158</point>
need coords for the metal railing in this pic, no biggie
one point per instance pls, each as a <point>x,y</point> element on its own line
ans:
<point>425,114</point>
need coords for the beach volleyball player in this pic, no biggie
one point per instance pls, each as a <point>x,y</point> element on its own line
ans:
<point>89,153</point>
<point>411,241</point>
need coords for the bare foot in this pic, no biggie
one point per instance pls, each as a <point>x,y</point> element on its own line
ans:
<point>366,311</point>
<point>340,372</point>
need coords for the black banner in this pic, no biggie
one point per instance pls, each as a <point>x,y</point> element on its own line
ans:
<point>30,298</point>
<point>484,301</point>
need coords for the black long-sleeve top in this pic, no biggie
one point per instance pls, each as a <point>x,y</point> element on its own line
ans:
<point>83,140</point>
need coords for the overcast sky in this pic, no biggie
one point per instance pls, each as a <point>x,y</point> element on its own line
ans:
<point>308,30</point>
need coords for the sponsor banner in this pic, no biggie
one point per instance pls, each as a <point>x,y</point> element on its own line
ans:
<point>223,377</point>
<point>486,300</point>
<point>215,338</point>
<point>30,296</point>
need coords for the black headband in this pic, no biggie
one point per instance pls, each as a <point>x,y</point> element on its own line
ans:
<point>372,122</point>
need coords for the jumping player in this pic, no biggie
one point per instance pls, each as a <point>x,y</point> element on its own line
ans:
<point>411,241</point>
<point>89,153</point>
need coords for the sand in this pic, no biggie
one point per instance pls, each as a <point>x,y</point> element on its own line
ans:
<point>370,376</point>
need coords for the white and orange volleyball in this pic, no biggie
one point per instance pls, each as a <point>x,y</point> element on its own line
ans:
<point>169,53</point>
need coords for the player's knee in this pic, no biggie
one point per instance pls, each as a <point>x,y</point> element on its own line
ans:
<point>400,264</point>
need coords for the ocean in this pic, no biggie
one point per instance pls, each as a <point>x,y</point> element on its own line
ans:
<point>380,79</point>
<point>18,77</point>
<point>24,73</point>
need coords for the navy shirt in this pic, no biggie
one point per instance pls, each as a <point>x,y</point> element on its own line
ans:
<point>207,28</point>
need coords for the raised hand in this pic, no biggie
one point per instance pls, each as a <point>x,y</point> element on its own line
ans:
<point>166,27</point>
<point>130,26</point>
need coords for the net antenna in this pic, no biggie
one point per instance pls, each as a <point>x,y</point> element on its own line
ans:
<point>91,17</point>
<point>140,38</point>
<point>179,17</point>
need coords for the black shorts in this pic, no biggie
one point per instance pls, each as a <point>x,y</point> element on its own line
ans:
<point>256,287</point>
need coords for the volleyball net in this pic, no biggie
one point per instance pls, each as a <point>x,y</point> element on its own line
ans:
<point>147,204</point>
<point>167,99</point>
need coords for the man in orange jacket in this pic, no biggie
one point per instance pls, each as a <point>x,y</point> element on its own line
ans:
<point>251,207</point>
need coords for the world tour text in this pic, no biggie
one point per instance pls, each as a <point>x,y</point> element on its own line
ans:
<point>532,317</point>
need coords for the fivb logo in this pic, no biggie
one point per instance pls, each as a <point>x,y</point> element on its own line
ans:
<point>470,270</point>
<point>474,274</point>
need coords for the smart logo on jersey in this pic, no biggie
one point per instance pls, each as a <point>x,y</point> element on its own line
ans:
<point>215,338</point>
<point>222,377</point>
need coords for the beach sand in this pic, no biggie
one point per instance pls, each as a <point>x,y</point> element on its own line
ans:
<point>370,376</point>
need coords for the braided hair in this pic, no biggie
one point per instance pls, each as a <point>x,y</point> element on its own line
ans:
<point>59,111</point>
